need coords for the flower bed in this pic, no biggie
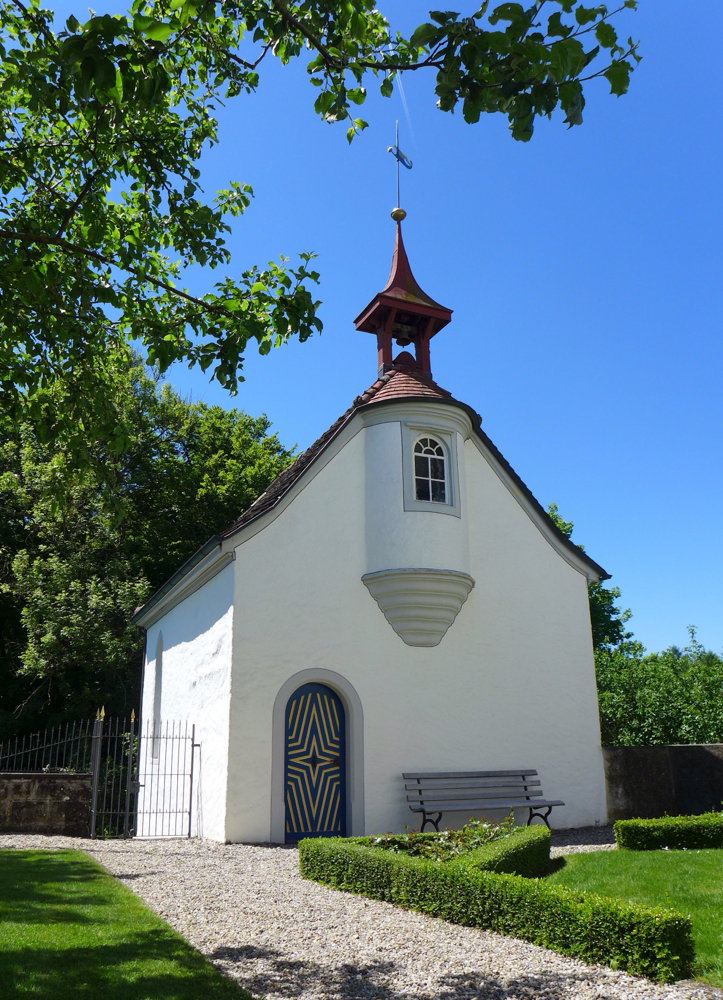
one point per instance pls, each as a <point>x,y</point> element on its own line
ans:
<point>673,832</point>
<point>476,890</point>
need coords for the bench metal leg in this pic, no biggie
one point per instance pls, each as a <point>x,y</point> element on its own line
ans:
<point>539,815</point>
<point>428,819</point>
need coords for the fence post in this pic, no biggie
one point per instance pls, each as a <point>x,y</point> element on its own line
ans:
<point>190,783</point>
<point>129,778</point>
<point>95,770</point>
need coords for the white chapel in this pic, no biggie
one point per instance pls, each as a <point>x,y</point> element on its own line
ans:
<point>396,601</point>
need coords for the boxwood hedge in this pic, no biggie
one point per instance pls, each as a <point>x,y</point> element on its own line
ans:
<point>675,832</point>
<point>525,852</point>
<point>646,941</point>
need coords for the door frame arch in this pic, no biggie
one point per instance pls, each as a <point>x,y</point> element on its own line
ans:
<point>354,749</point>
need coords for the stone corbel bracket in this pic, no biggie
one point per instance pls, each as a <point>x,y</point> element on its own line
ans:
<point>419,604</point>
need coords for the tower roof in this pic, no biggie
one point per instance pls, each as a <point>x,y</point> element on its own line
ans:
<point>403,293</point>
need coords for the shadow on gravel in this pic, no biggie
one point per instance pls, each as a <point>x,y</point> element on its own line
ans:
<point>265,972</point>
<point>587,835</point>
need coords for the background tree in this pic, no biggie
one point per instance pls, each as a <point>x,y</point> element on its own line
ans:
<point>75,564</point>
<point>660,698</point>
<point>607,620</point>
<point>675,696</point>
<point>102,126</point>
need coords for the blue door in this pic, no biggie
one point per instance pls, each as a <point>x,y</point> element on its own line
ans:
<point>315,766</point>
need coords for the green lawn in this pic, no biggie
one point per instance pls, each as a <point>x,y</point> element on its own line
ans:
<point>690,882</point>
<point>69,930</point>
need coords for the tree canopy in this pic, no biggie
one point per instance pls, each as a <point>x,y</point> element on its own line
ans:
<point>649,698</point>
<point>74,566</point>
<point>660,698</point>
<point>102,213</point>
<point>607,620</point>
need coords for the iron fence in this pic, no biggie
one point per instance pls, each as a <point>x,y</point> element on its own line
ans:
<point>113,768</point>
<point>141,782</point>
<point>62,748</point>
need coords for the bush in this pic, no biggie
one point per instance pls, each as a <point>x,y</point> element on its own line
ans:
<point>675,832</point>
<point>646,941</point>
<point>443,845</point>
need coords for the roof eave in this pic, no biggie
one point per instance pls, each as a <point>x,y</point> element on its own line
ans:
<point>387,301</point>
<point>178,576</point>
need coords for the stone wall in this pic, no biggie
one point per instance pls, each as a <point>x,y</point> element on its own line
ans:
<point>647,782</point>
<point>45,803</point>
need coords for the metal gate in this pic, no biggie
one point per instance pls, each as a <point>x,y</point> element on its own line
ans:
<point>141,782</point>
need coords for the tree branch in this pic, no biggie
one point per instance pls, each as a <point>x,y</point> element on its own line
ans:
<point>281,8</point>
<point>55,241</point>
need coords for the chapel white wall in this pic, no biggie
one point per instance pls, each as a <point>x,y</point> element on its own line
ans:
<point>195,688</point>
<point>511,684</point>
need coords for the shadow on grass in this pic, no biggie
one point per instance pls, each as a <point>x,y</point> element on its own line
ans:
<point>556,865</point>
<point>155,965</point>
<point>265,972</point>
<point>68,930</point>
<point>30,882</point>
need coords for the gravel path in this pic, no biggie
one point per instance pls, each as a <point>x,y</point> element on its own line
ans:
<point>590,838</point>
<point>248,909</point>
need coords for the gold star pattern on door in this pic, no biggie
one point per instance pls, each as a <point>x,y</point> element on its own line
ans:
<point>315,800</point>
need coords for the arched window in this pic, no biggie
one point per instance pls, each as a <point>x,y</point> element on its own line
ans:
<point>430,480</point>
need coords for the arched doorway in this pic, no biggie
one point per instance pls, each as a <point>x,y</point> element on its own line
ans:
<point>314,764</point>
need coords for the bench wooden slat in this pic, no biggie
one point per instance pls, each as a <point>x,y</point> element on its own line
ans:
<point>446,805</point>
<point>474,783</point>
<point>425,775</point>
<point>433,793</point>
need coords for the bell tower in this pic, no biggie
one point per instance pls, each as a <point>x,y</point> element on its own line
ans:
<point>402,314</point>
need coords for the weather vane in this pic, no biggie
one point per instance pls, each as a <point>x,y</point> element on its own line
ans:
<point>398,214</point>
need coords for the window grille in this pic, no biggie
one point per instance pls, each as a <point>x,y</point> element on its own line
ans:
<point>430,481</point>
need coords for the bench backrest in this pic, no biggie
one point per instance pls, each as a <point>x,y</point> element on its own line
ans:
<point>459,786</point>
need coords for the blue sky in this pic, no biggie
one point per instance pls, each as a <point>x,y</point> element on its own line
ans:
<point>584,273</point>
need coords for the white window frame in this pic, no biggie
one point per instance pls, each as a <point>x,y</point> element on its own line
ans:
<point>411,433</point>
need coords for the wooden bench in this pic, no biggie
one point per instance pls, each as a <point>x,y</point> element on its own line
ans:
<point>437,792</point>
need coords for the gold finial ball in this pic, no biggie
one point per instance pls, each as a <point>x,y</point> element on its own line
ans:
<point>398,214</point>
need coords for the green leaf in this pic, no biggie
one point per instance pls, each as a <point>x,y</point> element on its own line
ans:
<point>157,31</point>
<point>425,35</point>
<point>606,35</point>
<point>470,112</point>
<point>323,102</point>
<point>105,74</point>
<point>357,96</point>
<point>618,76</point>
<point>71,50</point>
<point>555,27</point>
<point>387,87</point>
<point>117,90</point>
<point>584,15</point>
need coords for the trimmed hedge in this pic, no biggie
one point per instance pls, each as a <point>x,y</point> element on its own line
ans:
<point>643,940</point>
<point>676,832</point>
<point>526,851</point>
